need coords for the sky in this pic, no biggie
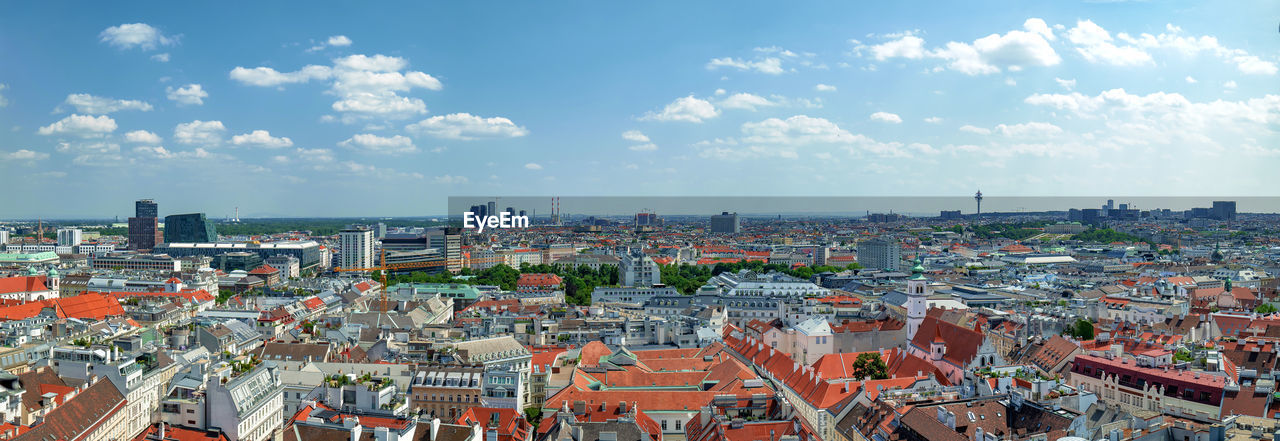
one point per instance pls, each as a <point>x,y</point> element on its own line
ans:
<point>388,109</point>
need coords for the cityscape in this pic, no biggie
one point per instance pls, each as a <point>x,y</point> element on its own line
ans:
<point>713,221</point>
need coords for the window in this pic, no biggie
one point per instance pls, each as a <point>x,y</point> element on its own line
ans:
<point>664,425</point>
<point>677,424</point>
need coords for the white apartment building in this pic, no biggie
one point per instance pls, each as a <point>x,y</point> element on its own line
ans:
<point>356,248</point>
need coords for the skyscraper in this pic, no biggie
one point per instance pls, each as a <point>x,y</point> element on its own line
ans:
<point>880,253</point>
<point>725,222</point>
<point>492,208</point>
<point>144,226</point>
<point>191,227</point>
<point>69,237</point>
<point>356,247</point>
<point>1224,210</point>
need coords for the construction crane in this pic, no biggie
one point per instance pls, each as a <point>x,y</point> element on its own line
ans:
<point>384,268</point>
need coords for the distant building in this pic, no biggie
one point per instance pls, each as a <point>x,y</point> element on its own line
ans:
<point>191,227</point>
<point>69,237</point>
<point>146,208</point>
<point>880,253</point>
<point>1065,228</point>
<point>144,233</point>
<point>307,252</point>
<point>356,248</point>
<point>448,240</point>
<point>637,269</point>
<point>726,222</point>
<point>1224,210</point>
<point>950,214</point>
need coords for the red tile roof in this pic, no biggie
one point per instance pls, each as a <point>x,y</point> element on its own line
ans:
<point>85,306</point>
<point>11,285</point>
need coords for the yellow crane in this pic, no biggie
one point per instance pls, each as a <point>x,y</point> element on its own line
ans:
<point>383,268</point>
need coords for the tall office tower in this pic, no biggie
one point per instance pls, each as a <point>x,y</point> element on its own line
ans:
<point>146,208</point>
<point>144,226</point>
<point>4,237</point>
<point>382,230</point>
<point>880,253</point>
<point>357,248</point>
<point>493,208</point>
<point>449,241</point>
<point>1224,210</point>
<point>725,222</point>
<point>69,237</point>
<point>191,227</point>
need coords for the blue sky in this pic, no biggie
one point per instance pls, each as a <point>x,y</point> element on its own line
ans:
<point>351,109</point>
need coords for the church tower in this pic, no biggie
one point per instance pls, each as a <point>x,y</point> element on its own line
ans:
<point>917,299</point>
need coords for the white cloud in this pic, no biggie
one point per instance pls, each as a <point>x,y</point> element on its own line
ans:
<point>450,179</point>
<point>191,94</point>
<point>96,105</point>
<point>687,108</point>
<point>746,101</point>
<point>262,138</point>
<point>268,77</point>
<point>1013,51</point>
<point>1030,129</point>
<point>142,137</point>
<point>1066,84</point>
<point>377,144</point>
<point>80,125</point>
<point>1097,45</point>
<point>339,41</point>
<point>1229,85</point>
<point>767,65</point>
<point>824,88</point>
<point>533,166</point>
<point>886,117</point>
<point>796,130</point>
<point>366,86</point>
<point>933,120</point>
<point>128,36</point>
<point>647,147</point>
<point>634,136</point>
<point>466,126</point>
<point>159,152</point>
<point>23,155</point>
<point>975,129</point>
<point>1190,80</point>
<point>199,132</point>
<point>334,41</point>
<point>163,57</point>
<point>908,46</point>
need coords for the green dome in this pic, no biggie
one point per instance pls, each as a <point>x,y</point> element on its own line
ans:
<point>32,271</point>
<point>917,272</point>
<point>53,272</point>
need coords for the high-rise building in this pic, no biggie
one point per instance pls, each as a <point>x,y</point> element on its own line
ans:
<point>144,226</point>
<point>69,237</point>
<point>725,222</point>
<point>146,208</point>
<point>1224,210</point>
<point>638,269</point>
<point>356,248</point>
<point>449,241</point>
<point>4,237</point>
<point>492,208</point>
<point>382,230</point>
<point>190,227</point>
<point>880,253</point>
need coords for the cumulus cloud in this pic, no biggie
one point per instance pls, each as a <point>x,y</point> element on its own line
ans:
<point>365,86</point>
<point>261,138</point>
<point>634,136</point>
<point>80,125</point>
<point>466,126</point>
<point>1096,45</point>
<point>767,65</point>
<point>334,41</point>
<point>646,147</point>
<point>995,53</point>
<point>96,105</point>
<point>199,132</point>
<point>886,117</point>
<point>189,95</point>
<point>140,35</point>
<point>23,155</point>
<point>933,120</point>
<point>687,109</point>
<point>1066,84</point>
<point>450,179</point>
<point>163,58</point>
<point>824,88</point>
<point>533,166</point>
<point>975,129</point>
<point>366,142</point>
<point>1030,129</point>
<point>746,101</point>
<point>142,137</point>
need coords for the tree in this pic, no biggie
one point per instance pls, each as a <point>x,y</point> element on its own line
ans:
<point>870,366</point>
<point>533,415</point>
<point>1083,330</point>
<point>1266,308</point>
